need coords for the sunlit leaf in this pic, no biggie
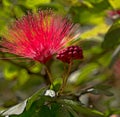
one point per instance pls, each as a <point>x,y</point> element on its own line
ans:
<point>18,11</point>
<point>36,68</point>
<point>94,1</point>
<point>97,30</point>
<point>68,2</point>
<point>15,110</point>
<point>10,72</point>
<point>82,16</point>
<point>23,73</point>
<point>115,3</point>
<point>6,3</point>
<point>32,3</point>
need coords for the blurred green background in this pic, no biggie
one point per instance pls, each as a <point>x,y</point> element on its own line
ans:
<point>20,78</point>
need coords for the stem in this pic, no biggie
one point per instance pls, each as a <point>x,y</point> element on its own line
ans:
<point>49,74</point>
<point>65,79</point>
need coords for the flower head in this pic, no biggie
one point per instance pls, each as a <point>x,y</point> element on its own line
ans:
<point>39,36</point>
<point>70,53</point>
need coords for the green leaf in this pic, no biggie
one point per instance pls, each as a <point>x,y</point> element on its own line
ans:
<point>32,3</point>
<point>95,31</point>
<point>112,111</point>
<point>55,107</point>
<point>59,110</point>
<point>115,3</point>
<point>112,37</point>
<point>86,73</point>
<point>18,11</point>
<point>83,18</point>
<point>100,89</point>
<point>32,112</point>
<point>35,97</point>
<point>72,112</point>
<point>6,3</point>
<point>45,111</point>
<point>28,104</point>
<point>10,72</point>
<point>94,1</point>
<point>115,56</point>
<point>15,110</point>
<point>56,85</point>
<point>82,110</point>
<point>62,112</point>
<point>36,68</point>
<point>23,73</point>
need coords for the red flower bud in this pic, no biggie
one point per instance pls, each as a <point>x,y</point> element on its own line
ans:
<point>70,53</point>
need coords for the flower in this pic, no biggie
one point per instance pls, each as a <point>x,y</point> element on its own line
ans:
<point>114,14</point>
<point>70,53</point>
<point>39,36</point>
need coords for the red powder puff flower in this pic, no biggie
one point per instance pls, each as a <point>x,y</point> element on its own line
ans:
<point>39,36</point>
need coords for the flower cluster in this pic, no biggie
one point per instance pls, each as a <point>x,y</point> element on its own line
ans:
<point>114,14</point>
<point>70,53</point>
<point>39,36</point>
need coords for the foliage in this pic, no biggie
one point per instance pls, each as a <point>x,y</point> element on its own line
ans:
<point>91,81</point>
